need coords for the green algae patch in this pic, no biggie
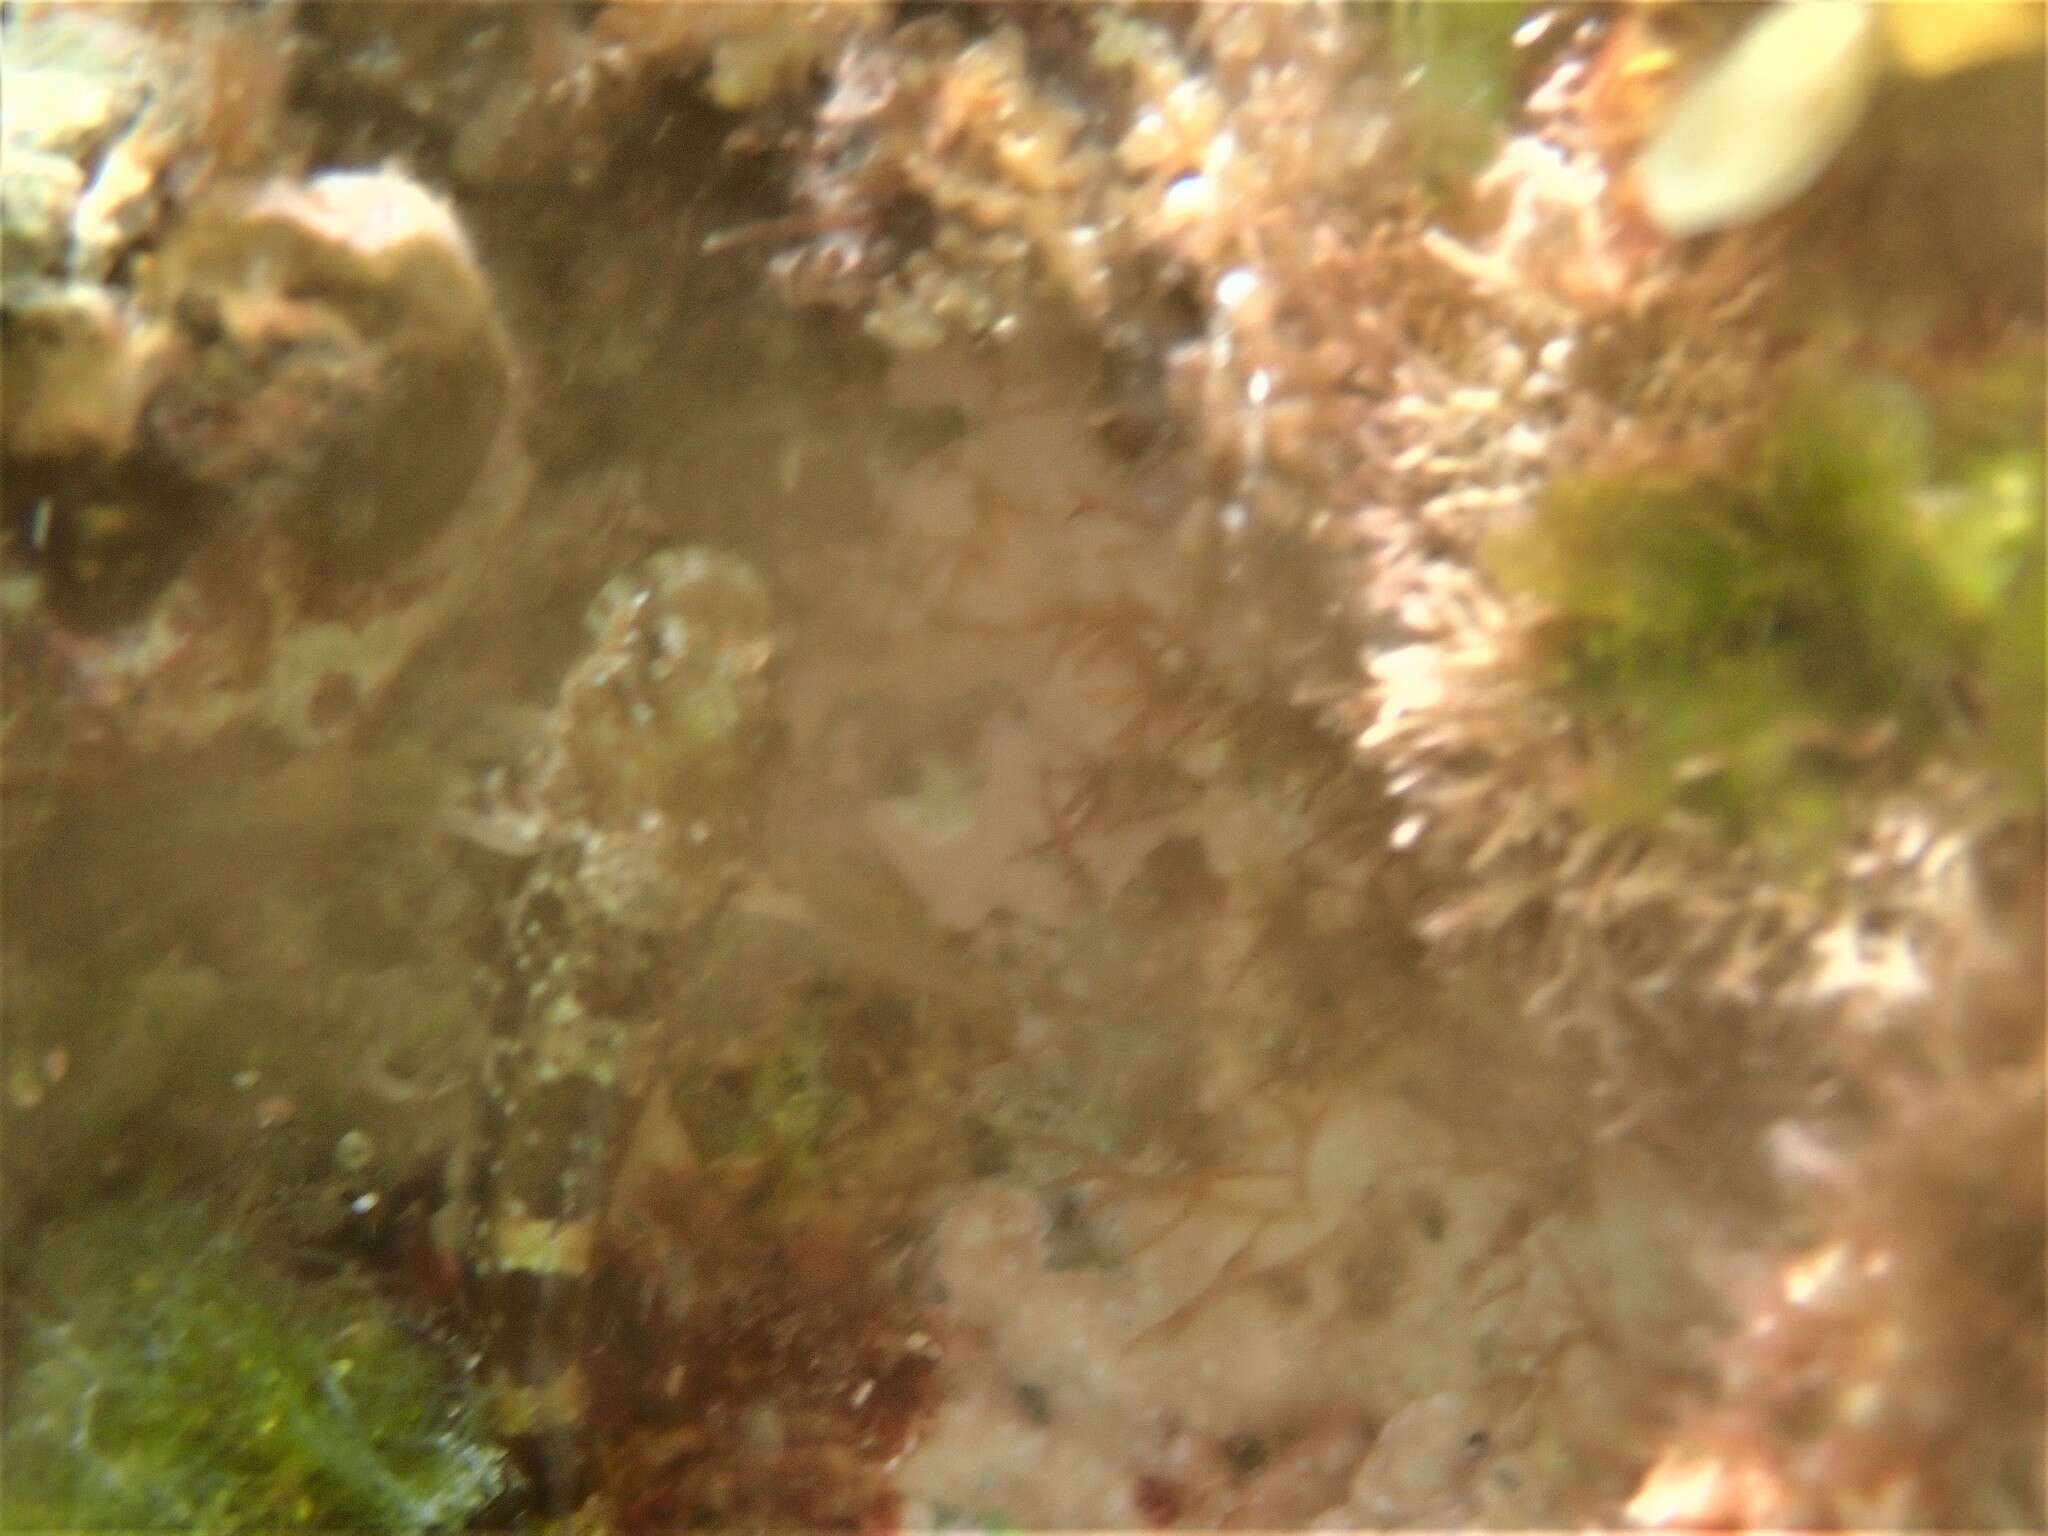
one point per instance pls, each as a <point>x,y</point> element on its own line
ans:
<point>1461,92</point>
<point>779,1106</point>
<point>1759,646</point>
<point>170,1379</point>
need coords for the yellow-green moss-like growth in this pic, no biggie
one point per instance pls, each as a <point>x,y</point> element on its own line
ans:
<point>783,1108</point>
<point>1459,62</point>
<point>171,1380</point>
<point>1758,644</point>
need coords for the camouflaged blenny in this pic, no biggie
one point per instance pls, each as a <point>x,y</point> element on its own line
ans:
<point>638,812</point>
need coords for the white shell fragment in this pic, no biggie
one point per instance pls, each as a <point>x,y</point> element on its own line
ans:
<point>1764,122</point>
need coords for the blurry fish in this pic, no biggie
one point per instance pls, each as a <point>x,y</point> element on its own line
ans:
<point>1764,122</point>
<point>1767,119</point>
<point>1928,40</point>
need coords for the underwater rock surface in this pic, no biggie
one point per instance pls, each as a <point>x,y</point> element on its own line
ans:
<point>1025,765</point>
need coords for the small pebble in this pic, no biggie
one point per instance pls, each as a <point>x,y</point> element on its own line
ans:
<point>24,1088</point>
<point>353,1152</point>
